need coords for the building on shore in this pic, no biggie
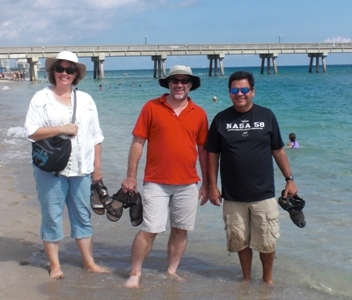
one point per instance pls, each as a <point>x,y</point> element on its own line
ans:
<point>22,64</point>
<point>5,64</point>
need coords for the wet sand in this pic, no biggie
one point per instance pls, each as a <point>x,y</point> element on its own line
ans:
<point>19,240</point>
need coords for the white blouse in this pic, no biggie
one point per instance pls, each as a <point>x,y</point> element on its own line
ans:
<point>45,111</point>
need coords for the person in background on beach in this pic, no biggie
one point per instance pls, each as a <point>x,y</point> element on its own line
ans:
<point>292,143</point>
<point>49,114</point>
<point>175,127</point>
<point>245,137</point>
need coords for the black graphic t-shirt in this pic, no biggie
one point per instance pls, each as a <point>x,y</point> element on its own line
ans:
<point>245,141</point>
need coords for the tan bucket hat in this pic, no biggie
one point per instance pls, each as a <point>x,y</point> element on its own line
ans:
<point>180,70</point>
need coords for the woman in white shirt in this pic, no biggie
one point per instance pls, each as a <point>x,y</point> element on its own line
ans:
<point>49,114</point>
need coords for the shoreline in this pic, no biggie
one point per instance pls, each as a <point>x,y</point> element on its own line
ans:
<point>19,241</point>
<point>4,80</point>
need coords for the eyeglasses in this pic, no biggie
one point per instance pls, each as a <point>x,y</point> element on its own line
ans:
<point>244,91</point>
<point>183,80</point>
<point>69,70</point>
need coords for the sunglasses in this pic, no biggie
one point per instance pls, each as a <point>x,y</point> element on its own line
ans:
<point>244,91</point>
<point>183,80</point>
<point>69,70</point>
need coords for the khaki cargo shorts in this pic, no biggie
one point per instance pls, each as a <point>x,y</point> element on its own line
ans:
<point>251,224</point>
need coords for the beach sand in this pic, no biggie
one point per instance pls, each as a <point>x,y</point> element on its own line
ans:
<point>19,240</point>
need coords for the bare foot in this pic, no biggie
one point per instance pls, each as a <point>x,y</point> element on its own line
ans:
<point>244,282</point>
<point>97,269</point>
<point>268,281</point>
<point>56,273</point>
<point>133,282</point>
<point>175,277</point>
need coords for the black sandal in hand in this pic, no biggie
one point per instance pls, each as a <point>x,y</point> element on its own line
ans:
<point>294,205</point>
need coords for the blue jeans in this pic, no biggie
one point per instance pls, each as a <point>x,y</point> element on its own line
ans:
<point>53,193</point>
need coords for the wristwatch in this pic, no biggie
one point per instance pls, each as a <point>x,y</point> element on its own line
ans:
<point>289,178</point>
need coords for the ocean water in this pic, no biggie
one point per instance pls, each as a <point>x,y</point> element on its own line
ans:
<point>311,263</point>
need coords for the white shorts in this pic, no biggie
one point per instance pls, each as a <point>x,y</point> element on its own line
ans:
<point>160,199</point>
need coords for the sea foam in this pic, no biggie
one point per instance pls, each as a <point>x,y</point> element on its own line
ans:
<point>16,132</point>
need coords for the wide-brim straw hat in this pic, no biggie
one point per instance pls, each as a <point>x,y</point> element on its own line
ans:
<point>69,56</point>
<point>180,70</point>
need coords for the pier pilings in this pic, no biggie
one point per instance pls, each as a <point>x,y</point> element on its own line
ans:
<point>214,59</point>
<point>159,65</point>
<point>98,67</point>
<point>267,57</point>
<point>33,71</point>
<point>317,56</point>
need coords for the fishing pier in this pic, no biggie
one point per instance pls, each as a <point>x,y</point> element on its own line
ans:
<point>215,53</point>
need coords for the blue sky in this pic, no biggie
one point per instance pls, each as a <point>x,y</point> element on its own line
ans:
<point>111,22</point>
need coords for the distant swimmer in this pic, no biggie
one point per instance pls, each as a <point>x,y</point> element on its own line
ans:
<point>215,99</point>
<point>100,87</point>
<point>292,143</point>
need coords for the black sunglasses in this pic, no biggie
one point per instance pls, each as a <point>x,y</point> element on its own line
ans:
<point>183,80</point>
<point>69,70</point>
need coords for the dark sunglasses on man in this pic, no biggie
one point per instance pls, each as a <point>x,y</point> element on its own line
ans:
<point>175,80</point>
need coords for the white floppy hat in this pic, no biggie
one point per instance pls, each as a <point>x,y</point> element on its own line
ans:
<point>69,56</point>
<point>180,70</point>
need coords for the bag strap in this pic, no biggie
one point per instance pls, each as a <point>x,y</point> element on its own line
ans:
<point>74,107</point>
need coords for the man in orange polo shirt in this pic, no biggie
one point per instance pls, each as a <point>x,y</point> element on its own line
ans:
<point>176,130</point>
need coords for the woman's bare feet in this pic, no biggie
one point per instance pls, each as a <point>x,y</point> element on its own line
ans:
<point>133,282</point>
<point>56,273</point>
<point>97,269</point>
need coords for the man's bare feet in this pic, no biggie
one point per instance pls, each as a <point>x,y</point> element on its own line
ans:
<point>56,273</point>
<point>244,282</point>
<point>175,277</point>
<point>97,269</point>
<point>133,282</point>
<point>268,281</point>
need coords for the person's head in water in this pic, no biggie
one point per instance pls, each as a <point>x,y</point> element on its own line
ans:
<point>292,143</point>
<point>292,137</point>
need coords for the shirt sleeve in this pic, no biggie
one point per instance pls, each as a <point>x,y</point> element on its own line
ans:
<point>203,133</point>
<point>213,143</point>
<point>142,124</point>
<point>276,140</point>
<point>97,132</point>
<point>33,120</point>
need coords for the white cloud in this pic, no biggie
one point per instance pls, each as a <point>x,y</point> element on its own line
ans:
<point>43,22</point>
<point>338,39</point>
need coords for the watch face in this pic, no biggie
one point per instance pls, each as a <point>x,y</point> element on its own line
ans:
<point>289,178</point>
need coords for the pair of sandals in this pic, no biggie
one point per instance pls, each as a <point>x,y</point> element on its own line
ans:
<point>294,205</point>
<point>100,201</point>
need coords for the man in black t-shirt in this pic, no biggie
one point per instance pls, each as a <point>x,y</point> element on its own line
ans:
<point>245,137</point>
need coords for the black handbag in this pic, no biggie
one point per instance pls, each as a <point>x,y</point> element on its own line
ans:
<point>52,154</point>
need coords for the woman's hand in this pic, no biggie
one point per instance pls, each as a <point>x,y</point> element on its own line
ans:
<point>70,129</point>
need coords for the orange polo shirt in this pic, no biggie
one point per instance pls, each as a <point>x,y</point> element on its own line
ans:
<point>172,141</point>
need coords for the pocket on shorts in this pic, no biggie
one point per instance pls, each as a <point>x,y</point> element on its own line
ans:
<point>273,223</point>
<point>235,236</point>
